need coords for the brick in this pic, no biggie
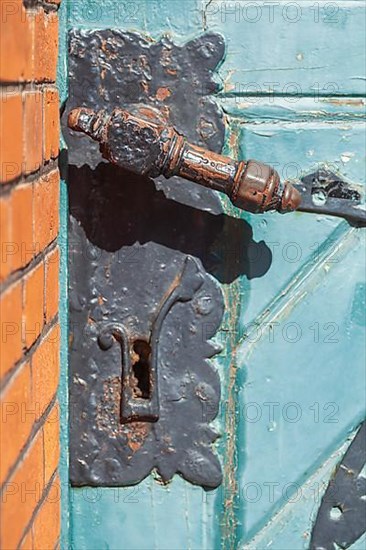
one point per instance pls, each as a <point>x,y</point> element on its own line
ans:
<point>6,243</point>
<point>11,110</point>
<point>46,46</point>
<point>21,494</point>
<point>33,131</point>
<point>45,370</point>
<point>33,312</point>
<point>10,319</point>
<point>52,263</point>
<point>24,248</point>
<point>51,123</point>
<point>51,438</point>
<point>16,418</point>
<point>46,527</point>
<point>46,205</point>
<point>15,42</point>
<point>27,542</point>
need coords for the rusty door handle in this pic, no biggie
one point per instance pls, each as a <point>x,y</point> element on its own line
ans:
<point>143,142</point>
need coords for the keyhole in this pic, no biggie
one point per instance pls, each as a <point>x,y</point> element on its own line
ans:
<point>141,369</point>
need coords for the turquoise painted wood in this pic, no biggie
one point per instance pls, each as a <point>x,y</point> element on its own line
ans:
<point>292,367</point>
<point>63,300</point>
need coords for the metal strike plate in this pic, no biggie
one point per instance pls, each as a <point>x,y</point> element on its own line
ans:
<point>324,192</point>
<point>143,304</point>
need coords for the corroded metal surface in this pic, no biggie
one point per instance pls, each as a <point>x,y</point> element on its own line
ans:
<point>341,519</point>
<point>140,362</point>
<point>143,141</point>
<point>111,68</point>
<point>130,241</point>
<point>119,435</point>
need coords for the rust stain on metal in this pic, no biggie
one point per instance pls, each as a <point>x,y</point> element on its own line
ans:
<point>137,434</point>
<point>142,142</point>
<point>132,382</point>
<point>163,93</point>
<point>109,413</point>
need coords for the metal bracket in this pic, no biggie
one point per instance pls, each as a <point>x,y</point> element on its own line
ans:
<point>323,192</point>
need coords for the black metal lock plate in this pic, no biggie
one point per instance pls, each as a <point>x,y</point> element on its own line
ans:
<point>142,306</point>
<point>143,392</point>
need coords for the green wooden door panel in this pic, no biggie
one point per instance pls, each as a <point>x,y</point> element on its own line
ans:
<point>291,527</point>
<point>303,382</point>
<point>144,517</point>
<point>155,17</point>
<point>296,149</point>
<point>290,47</point>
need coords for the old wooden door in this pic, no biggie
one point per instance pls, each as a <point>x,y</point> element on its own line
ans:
<point>291,90</point>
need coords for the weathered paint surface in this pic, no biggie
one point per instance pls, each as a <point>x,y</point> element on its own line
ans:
<point>342,512</point>
<point>277,47</point>
<point>291,527</point>
<point>316,284</point>
<point>308,394</point>
<point>63,306</point>
<point>291,47</point>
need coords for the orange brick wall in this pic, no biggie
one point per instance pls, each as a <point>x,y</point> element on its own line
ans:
<point>29,260</point>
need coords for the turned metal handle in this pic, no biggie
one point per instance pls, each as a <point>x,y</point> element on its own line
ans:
<point>143,142</point>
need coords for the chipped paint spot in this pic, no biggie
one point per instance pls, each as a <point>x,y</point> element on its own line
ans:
<point>229,86</point>
<point>346,157</point>
<point>347,102</point>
